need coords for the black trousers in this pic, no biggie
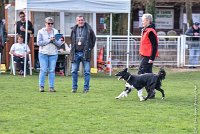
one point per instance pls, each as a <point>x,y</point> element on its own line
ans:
<point>20,62</point>
<point>145,66</point>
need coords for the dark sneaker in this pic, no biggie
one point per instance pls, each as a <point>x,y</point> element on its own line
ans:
<point>74,90</point>
<point>51,89</point>
<point>85,90</point>
<point>21,72</point>
<point>41,89</point>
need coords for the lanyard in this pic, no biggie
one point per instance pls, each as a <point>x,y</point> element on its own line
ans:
<point>80,35</point>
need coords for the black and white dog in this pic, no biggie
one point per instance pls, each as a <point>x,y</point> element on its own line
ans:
<point>148,80</point>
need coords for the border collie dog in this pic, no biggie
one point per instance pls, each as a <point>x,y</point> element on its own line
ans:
<point>148,80</point>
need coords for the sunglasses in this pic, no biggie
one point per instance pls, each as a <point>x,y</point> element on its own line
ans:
<point>22,16</point>
<point>49,23</point>
<point>80,20</point>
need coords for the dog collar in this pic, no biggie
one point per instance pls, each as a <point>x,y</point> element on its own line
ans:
<point>129,78</point>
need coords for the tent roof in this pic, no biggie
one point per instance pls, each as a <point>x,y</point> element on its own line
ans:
<point>75,6</point>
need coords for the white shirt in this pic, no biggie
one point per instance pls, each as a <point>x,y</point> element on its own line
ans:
<point>20,48</point>
<point>43,40</point>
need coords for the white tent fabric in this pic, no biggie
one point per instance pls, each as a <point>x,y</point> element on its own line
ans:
<point>86,6</point>
<point>79,6</point>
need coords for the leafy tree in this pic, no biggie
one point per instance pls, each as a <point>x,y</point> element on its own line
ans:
<point>150,8</point>
<point>2,9</point>
<point>188,6</point>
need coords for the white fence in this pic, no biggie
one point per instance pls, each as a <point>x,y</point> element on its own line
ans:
<point>173,50</point>
<point>190,54</point>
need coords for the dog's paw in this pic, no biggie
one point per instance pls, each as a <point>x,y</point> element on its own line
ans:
<point>117,97</point>
<point>142,99</point>
<point>122,95</point>
<point>125,95</point>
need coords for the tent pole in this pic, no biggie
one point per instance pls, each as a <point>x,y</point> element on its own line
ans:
<point>62,23</point>
<point>26,41</point>
<point>95,47</point>
<point>110,51</point>
<point>128,41</point>
<point>15,26</point>
<point>128,37</point>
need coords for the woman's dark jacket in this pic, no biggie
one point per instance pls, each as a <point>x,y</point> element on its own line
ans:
<point>89,45</point>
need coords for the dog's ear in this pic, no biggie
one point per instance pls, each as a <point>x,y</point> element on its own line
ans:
<point>125,70</point>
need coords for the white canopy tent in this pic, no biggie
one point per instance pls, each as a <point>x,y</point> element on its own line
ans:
<point>79,6</point>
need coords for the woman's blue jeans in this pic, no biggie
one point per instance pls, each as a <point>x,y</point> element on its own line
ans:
<point>47,64</point>
<point>79,57</point>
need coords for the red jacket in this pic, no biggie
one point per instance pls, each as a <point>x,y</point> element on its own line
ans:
<point>145,43</point>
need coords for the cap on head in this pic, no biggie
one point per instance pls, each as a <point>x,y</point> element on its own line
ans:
<point>196,23</point>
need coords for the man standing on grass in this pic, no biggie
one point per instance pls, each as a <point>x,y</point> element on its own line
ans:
<point>194,44</point>
<point>83,40</point>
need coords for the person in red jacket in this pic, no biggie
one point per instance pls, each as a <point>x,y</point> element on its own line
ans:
<point>148,45</point>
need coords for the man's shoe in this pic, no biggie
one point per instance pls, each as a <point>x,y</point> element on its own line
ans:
<point>74,90</point>
<point>41,89</point>
<point>85,90</point>
<point>51,89</point>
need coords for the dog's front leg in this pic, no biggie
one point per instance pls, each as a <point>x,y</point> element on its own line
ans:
<point>123,94</point>
<point>127,90</point>
<point>140,95</point>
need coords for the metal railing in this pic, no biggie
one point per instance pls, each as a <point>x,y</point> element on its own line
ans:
<point>173,50</point>
<point>169,50</point>
<point>190,51</point>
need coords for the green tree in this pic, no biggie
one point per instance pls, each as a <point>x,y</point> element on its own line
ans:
<point>150,8</point>
<point>188,6</point>
<point>2,9</point>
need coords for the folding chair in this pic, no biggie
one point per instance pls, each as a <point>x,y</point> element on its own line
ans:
<point>13,65</point>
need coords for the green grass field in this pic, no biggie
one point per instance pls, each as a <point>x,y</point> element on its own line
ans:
<point>24,110</point>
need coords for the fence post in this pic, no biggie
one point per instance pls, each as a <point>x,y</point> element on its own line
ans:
<point>109,53</point>
<point>178,51</point>
<point>107,48</point>
<point>182,48</point>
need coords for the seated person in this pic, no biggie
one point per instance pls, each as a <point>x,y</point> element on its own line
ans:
<point>18,50</point>
<point>65,48</point>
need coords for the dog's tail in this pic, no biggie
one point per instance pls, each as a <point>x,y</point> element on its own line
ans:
<point>162,73</point>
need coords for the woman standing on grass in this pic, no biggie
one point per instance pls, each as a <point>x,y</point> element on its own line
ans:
<point>48,53</point>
